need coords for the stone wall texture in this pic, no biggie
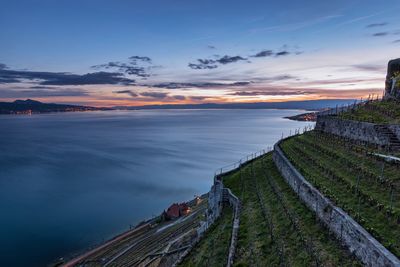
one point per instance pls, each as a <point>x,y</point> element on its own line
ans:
<point>356,130</point>
<point>348,231</point>
<point>395,128</point>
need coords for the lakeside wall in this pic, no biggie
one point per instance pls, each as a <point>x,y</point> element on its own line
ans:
<point>348,231</point>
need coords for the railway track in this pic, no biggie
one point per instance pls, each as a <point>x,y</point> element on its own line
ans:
<point>151,245</point>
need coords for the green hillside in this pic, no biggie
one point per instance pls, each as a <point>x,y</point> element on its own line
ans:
<point>214,247</point>
<point>275,227</point>
<point>363,185</point>
<point>381,112</point>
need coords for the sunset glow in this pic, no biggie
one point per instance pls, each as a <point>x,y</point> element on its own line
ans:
<point>251,54</point>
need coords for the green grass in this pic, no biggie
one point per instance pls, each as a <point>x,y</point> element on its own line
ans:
<point>364,186</point>
<point>275,227</point>
<point>213,248</point>
<point>381,112</point>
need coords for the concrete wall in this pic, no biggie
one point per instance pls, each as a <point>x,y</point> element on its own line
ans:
<point>351,234</point>
<point>357,130</point>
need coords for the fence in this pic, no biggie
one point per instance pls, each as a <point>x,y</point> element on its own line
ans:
<point>224,170</point>
<point>353,106</point>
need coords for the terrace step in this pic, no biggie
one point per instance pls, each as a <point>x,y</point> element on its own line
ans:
<point>394,142</point>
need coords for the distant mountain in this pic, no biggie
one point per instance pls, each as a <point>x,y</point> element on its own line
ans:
<point>30,106</point>
<point>307,105</point>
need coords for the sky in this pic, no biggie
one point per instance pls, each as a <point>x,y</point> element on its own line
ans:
<point>126,52</point>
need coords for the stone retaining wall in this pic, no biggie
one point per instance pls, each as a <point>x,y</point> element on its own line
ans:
<point>348,231</point>
<point>356,130</point>
<point>235,203</point>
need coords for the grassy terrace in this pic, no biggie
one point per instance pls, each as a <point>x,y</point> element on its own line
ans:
<point>381,112</point>
<point>275,227</point>
<point>214,247</point>
<point>364,186</point>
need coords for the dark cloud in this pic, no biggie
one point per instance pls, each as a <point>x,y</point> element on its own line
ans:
<point>64,78</point>
<point>380,34</point>
<point>33,93</point>
<point>135,59</point>
<point>179,97</point>
<point>264,53</point>
<point>273,92</point>
<point>198,98</point>
<point>158,95</point>
<point>374,25</point>
<point>131,67</point>
<point>282,53</point>
<point>211,47</point>
<point>175,85</point>
<point>129,92</point>
<point>213,63</point>
<point>201,66</point>
<point>369,67</point>
<point>396,41</point>
<point>125,68</point>
<point>3,66</point>
<point>228,59</point>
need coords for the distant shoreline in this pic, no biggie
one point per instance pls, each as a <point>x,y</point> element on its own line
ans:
<point>29,107</point>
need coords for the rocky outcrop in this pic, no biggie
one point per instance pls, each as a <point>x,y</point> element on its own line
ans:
<point>391,89</point>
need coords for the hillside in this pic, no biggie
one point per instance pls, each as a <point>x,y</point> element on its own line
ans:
<point>383,112</point>
<point>275,229</point>
<point>30,106</point>
<point>363,185</point>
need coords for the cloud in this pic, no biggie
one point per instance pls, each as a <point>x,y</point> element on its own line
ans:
<point>135,59</point>
<point>293,91</point>
<point>275,92</point>
<point>228,59</point>
<point>396,41</point>
<point>179,97</point>
<point>158,95</point>
<point>380,34</point>
<point>129,92</point>
<point>198,98</point>
<point>211,47</point>
<point>33,93</point>
<point>264,53</point>
<point>176,85</point>
<point>282,53</point>
<point>201,66</point>
<point>374,25</point>
<point>369,67</point>
<point>131,67</point>
<point>213,63</point>
<point>125,68</point>
<point>3,66</point>
<point>63,78</point>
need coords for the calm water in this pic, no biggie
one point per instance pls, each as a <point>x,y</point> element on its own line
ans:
<point>71,180</point>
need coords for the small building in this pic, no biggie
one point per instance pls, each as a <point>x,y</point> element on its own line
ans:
<point>177,210</point>
<point>173,211</point>
<point>184,209</point>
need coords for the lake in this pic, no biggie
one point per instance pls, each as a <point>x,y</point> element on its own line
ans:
<point>69,181</point>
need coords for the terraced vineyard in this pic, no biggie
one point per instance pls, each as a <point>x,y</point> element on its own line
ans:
<point>386,111</point>
<point>213,249</point>
<point>276,229</point>
<point>363,185</point>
